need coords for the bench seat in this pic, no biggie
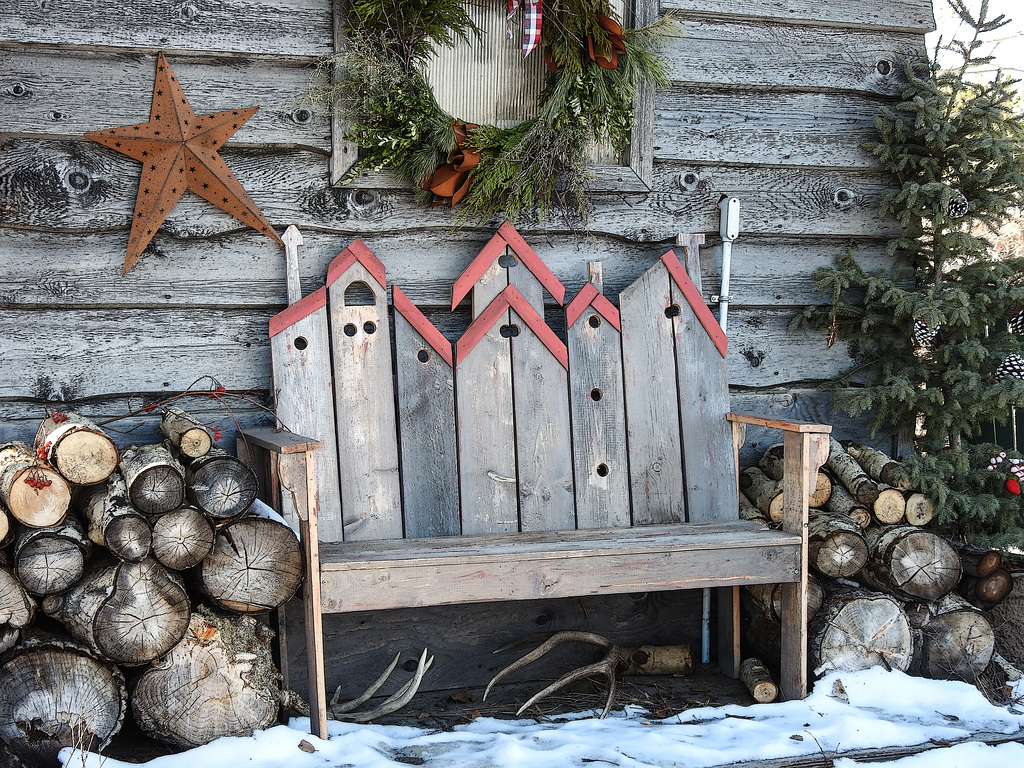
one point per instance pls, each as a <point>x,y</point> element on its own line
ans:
<point>410,573</point>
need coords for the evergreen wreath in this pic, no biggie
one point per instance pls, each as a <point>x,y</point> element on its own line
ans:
<point>540,165</point>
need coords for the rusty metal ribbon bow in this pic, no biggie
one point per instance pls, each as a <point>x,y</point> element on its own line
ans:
<point>608,58</point>
<point>451,181</point>
<point>531,22</point>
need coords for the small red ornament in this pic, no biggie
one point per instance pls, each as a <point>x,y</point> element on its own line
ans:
<point>1013,486</point>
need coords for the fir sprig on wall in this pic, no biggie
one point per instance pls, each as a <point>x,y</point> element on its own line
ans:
<point>534,168</point>
<point>930,333</point>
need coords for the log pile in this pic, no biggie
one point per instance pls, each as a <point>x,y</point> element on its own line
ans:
<point>128,583</point>
<point>885,589</point>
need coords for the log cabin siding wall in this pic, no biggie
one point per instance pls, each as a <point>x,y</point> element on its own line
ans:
<point>771,102</point>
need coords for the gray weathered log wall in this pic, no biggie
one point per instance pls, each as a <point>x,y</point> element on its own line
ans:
<point>770,102</point>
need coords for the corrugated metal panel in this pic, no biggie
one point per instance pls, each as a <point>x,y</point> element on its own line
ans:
<point>487,81</point>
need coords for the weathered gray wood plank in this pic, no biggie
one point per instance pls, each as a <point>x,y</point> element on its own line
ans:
<point>364,401</point>
<point>78,353</point>
<point>85,353</point>
<point>304,398</point>
<point>773,55</point>
<point>703,402</point>
<point>286,28</point>
<point>425,385</point>
<point>807,129</point>
<point>777,271</point>
<point>652,400</point>
<point>909,16</point>
<point>598,409</point>
<point>487,461</point>
<point>76,186</point>
<point>543,456</point>
<point>478,569</point>
<point>90,91</point>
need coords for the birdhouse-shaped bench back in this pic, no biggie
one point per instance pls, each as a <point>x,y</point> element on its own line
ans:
<point>509,429</point>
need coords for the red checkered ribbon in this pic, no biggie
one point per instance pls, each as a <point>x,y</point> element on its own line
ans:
<point>531,22</point>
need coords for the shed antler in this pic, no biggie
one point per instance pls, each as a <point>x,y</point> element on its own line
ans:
<point>347,710</point>
<point>606,666</point>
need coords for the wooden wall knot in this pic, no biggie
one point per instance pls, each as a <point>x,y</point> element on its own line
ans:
<point>754,356</point>
<point>188,11</point>
<point>844,198</point>
<point>18,91</point>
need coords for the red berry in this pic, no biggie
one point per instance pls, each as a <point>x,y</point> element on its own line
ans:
<point>1013,486</point>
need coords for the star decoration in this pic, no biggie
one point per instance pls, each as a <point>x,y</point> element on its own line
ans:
<point>178,152</point>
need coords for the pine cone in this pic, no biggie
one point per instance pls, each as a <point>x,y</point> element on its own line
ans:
<point>958,206</point>
<point>1015,320</point>
<point>1013,365</point>
<point>923,335</point>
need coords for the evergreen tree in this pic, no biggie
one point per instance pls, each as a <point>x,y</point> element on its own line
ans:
<point>936,357</point>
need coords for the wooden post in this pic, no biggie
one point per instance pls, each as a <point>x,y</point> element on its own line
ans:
<point>308,510</point>
<point>804,453</point>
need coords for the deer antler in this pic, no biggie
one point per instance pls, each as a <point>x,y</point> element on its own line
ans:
<point>606,666</point>
<point>397,700</point>
<point>347,710</point>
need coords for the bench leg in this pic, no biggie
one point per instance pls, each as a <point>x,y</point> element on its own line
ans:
<point>297,478</point>
<point>793,673</point>
<point>729,630</point>
<point>314,639</point>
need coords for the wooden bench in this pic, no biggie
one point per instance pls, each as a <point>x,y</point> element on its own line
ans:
<point>513,465</point>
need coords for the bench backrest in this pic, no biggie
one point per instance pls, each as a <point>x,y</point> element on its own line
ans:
<point>510,428</point>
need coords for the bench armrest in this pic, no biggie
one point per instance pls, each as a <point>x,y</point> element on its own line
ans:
<point>278,440</point>
<point>788,426</point>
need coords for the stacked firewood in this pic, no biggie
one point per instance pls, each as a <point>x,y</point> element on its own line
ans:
<point>885,590</point>
<point>132,577</point>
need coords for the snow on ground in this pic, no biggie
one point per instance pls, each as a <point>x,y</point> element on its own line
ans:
<point>845,711</point>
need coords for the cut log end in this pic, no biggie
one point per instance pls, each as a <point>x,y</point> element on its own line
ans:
<point>890,507</point>
<point>920,509</point>
<point>154,478</point>
<point>182,538</point>
<point>217,681</point>
<point>755,676</point>
<point>129,538</point>
<point>37,496</point>
<point>836,547</point>
<point>85,458</point>
<point>840,555</point>
<point>54,696</point>
<point>156,490</point>
<point>220,485</point>
<point>911,563</point>
<point>958,641</point>
<point>256,565</point>
<point>186,433</point>
<point>858,630</point>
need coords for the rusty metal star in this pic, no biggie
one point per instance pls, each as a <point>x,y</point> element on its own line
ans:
<point>178,152</point>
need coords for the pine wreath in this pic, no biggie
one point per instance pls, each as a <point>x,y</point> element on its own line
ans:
<point>540,165</point>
